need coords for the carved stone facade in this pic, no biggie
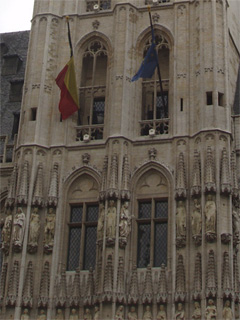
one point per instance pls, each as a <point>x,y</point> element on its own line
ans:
<point>129,209</point>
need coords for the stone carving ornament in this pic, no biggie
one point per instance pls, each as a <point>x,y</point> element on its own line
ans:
<point>34,230</point>
<point>147,314</point>
<point>181,224</point>
<point>73,315</point>
<point>6,232</point>
<point>49,230</point>
<point>197,222</point>
<point>132,315</point>
<point>197,311</point>
<point>25,315</point>
<point>125,222</point>
<point>100,224</point>
<point>227,311</point>
<point>180,313</point>
<point>42,315</point>
<point>210,212</point>
<point>59,315</point>
<point>18,229</point>
<point>211,310</point>
<point>111,220</point>
<point>87,315</point>
<point>96,313</point>
<point>162,313</point>
<point>120,313</point>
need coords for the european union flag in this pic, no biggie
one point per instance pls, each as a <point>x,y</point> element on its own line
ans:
<point>148,65</point>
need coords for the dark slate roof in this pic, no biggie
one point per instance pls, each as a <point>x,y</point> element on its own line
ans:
<point>236,105</point>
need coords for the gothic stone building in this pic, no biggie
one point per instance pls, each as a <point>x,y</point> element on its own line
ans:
<point>128,209</point>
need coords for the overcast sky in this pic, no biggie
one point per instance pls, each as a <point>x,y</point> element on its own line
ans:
<point>15,15</point>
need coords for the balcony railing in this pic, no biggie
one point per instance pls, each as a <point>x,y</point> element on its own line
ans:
<point>87,133</point>
<point>96,5</point>
<point>156,2</point>
<point>161,126</point>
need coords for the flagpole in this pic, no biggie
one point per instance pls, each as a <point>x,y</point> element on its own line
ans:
<point>158,68</point>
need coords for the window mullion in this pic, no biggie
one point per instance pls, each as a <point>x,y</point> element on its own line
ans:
<point>152,233</point>
<point>155,98</point>
<point>82,236</point>
<point>92,89</point>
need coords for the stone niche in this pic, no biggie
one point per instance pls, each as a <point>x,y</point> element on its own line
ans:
<point>151,183</point>
<point>84,187</point>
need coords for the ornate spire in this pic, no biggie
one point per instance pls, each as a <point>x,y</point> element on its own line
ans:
<point>53,188</point>
<point>147,296</point>
<point>181,190</point>
<point>226,277</point>
<point>12,188</point>
<point>162,286</point>
<point>225,173</point>
<point>197,282</point>
<point>210,181</point>
<point>12,292</point>
<point>133,296</point>
<point>44,287</point>
<point>98,288</point>
<point>102,194</point>
<point>61,296</point>
<point>236,276</point>
<point>120,294</point>
<point>23,184</point>
<point>37,199</point>
<point>74,298</point>
<point>113,185</point>
<point>27,297</point>
<point>125,191</point>
<point>3,282</point>
<point>88,297</point>
<point>196,175</point>
<point>180,293</point>
<point>108,280</point>
<point>211,277</point>
<point>235,189</point>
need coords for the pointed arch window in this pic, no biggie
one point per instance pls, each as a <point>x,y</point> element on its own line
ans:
<point>154,114</point>
<point>93,91</point>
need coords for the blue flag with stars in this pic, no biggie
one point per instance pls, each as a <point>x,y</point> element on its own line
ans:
<point>149,63</point>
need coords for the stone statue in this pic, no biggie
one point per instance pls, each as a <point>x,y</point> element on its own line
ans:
<point>49,228</point>
<point>147,314</point>
<point>34,227</point>
<point>196,218</point>
<point>120,313</point>
<point>210,213</point>
<point>235,222</point>
<point>18,227</point>
<point>180,313</point>
<point>181,220</point>
<point>96,313</point>
<point>100,224</point>
<point>197,311</point>
<point>162,313</point>
<point>73,315</point>
<point>25,315</point>
<point>6,230</point>
<point>125,221</point>
<point>42,315</point>
<point>132,315</point>
<point>111,220</point>
<point>59,315</point>
<point>227,311</point>
<point>211,311</point>
<point>87,315</point>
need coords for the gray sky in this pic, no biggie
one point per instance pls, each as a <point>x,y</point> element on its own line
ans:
<point>15,15</point>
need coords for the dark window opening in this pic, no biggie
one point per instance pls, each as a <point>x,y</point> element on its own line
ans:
<point>16,118</point>
<point>162,109</point>
<point>11,65</point>
<point>33,115</point>
<point>98,110</point>
<point>15,94</point>
<point>181,104</point>
<point>220,99</point>
<point>209,96</point>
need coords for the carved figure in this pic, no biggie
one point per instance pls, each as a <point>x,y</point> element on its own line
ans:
<point>211,311</point>
<point>18,226</point>
<point>25,315</point>
<point>96,313</point>
<point>111,220</point>
<point>162,313</point>
<point>73,315</point>
<point>125,221</point>
<point>100,224</point>
<point>6,230</point>
<point>87,315</point>
<point>49,227</point>
<point>210,213</point>
<point>196,218</point>
<point>132,315</point>
<point>181,220</point>
<point>147,314</point>
<point>42,315</point>
<point>120,313</point>
<point>59,315</point>
<point>236,222</point>
<point>34,227</point>
<point>227,311</point>
<point>197,311</point>
<point>180,313</point>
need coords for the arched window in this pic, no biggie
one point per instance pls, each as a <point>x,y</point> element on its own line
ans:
<point>151,219</point>
<point>93,90</point>
<point>82,223</point>
<point>154,113</point>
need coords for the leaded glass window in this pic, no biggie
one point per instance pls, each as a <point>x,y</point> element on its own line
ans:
<point>82,237</point>
<point>152,233</point>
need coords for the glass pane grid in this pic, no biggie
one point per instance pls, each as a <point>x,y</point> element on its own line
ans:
<point>90,247</point>
<point>161,209</point>
<point>76,214</point>
<point>99,105</point>
<point>92,213</point>
<point>74,248</point>
<point>144,239</point>
<point>160,244</point>
<point>144,210</point>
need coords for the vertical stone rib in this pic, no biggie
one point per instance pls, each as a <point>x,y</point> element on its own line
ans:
<point>197,282</point>
<point>44,286</point>
<point>181,191</point>
<point>180,293</point>
<point>23,185</point>
<point>12,188</point>
<point>196,175</point>
<point>235,188</point>
<point>102,194</point>
<point>38,187</point>
<point>27,297</point>
<point>108,280</point>
<point>162,286</point>
<point>225,174</point>
<point>133,295</point>
<point>88,297</point>
<point>53,188</point>
<point>125,192</point>
<point>12,293</point>
<point>211,278</point>
<point>147,296</point>
<point>210,180</point>
<point>120,294</point>
<point>3,281</point>
<point>74,299</point>
<point>226,277</point>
